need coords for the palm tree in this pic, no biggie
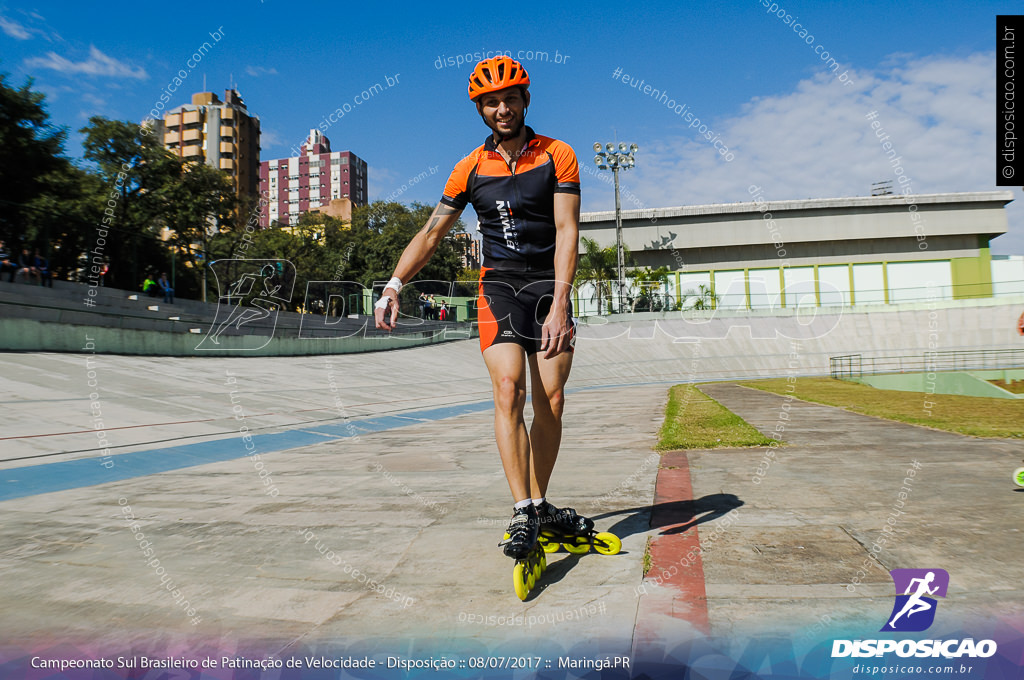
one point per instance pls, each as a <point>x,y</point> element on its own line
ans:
<point>651,284</point>
<point>703,298</point>
<point>598,266</point>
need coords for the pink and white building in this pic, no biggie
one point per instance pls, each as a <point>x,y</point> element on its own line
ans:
<point>302,183</point>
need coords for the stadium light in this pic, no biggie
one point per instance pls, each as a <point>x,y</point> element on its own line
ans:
<point>606,160</point>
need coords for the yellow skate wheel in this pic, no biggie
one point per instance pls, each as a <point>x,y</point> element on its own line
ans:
<point>543,563</point>
<point>581,546</point>
<point>549,546</point>
<point>531,580</point>
<point>519,581</point>
<point>607,544</point>
<point>1018,476</point>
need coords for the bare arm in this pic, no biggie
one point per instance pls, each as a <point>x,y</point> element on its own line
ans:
<point>424,244</point>
<point>567,234</point>
<point>415,256</point>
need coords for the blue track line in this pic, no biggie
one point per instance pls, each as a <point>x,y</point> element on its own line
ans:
<point>49,477</point>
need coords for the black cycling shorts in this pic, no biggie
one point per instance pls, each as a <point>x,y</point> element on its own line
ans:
<point>512,308</point>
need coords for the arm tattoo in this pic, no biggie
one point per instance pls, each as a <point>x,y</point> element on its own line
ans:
<point>442,211</point>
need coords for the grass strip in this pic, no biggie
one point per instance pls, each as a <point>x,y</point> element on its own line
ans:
<point>975,416</point>
<point>694,420</point>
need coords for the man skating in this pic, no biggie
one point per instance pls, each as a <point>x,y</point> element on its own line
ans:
<point>525,190</point>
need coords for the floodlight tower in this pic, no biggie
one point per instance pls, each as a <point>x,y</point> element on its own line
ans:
<point>610,157</point>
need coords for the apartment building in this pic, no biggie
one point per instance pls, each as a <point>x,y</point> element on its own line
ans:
<point>317,180</point>
<point>223,134</point>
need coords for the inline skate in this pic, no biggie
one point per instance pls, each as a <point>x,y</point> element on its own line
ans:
<point>521,544</point>
<point>1018,476</point>
<point>563,527</point>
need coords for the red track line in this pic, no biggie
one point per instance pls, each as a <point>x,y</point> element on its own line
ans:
<point>674,586</point>
<point>130,427</point>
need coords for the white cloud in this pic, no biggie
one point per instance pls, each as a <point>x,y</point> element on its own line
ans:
<point>382,182</point>
<point>30,25</point>
<point>98,64</point>
<point>257,71</point>
<point>817,142</point>
<point>14,29</point>
<point>269,138</point>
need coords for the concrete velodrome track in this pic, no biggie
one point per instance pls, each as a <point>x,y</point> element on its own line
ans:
<point>381,469</point>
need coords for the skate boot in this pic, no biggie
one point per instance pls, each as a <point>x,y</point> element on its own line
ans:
<point>520,543</point>
<point>563,527</point>
<point>521,534</point>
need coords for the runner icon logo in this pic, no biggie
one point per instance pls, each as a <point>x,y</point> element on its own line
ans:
<point>916,590</point>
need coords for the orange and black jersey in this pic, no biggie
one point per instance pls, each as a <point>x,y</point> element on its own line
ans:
<point>516,207</point>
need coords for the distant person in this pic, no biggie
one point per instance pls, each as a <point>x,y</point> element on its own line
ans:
<point>5,263</point>
<point>442,313</point>
<point>103,273</point>
<point>423,305</point>
<point>149,286</point>
<point>42,265</point>
<point>1020,324</point>
<point>165,286</point>
<point>27,265</point>
<point>431,308</point>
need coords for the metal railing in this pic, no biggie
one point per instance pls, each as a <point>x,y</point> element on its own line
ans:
<point>857,365</point>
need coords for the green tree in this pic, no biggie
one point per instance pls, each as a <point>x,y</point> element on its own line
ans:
<point>62,221</point>
<point>383,230</point>
<point>30,154</point>
<point>198,205</point>
<point>132,169</point>
<point>703,298</point>
<point>599,267</point>
<point>158,191</point>
<point>652,285</point>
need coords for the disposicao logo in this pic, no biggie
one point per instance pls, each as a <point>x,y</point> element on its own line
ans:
<point>914,611</point>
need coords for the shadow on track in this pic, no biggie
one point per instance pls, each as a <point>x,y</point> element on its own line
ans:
<point>675,517</point>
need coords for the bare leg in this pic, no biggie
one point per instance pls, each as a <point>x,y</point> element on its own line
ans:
<point>548,377</point>
<point>506,362</point>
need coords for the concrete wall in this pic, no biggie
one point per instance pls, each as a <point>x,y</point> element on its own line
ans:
<point>146,326</point>
<point>28,335</point>
<point>845,226</point>
<point>642,347</point>
<point>721,345</point>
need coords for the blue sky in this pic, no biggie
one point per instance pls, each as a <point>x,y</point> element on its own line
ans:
<point>791,126</point>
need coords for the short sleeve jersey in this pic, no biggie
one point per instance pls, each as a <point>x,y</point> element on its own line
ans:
<point>516,207</point>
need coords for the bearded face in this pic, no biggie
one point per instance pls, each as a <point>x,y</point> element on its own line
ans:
<point>504,111</point>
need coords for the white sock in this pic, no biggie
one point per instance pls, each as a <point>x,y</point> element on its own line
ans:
<point>539,501</point>
<point>522,504</point>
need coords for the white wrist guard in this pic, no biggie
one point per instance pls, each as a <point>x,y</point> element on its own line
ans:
<point>383,302</point>
<point>395,283</point>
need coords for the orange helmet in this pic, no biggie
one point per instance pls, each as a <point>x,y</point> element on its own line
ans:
<point>497,73</point>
